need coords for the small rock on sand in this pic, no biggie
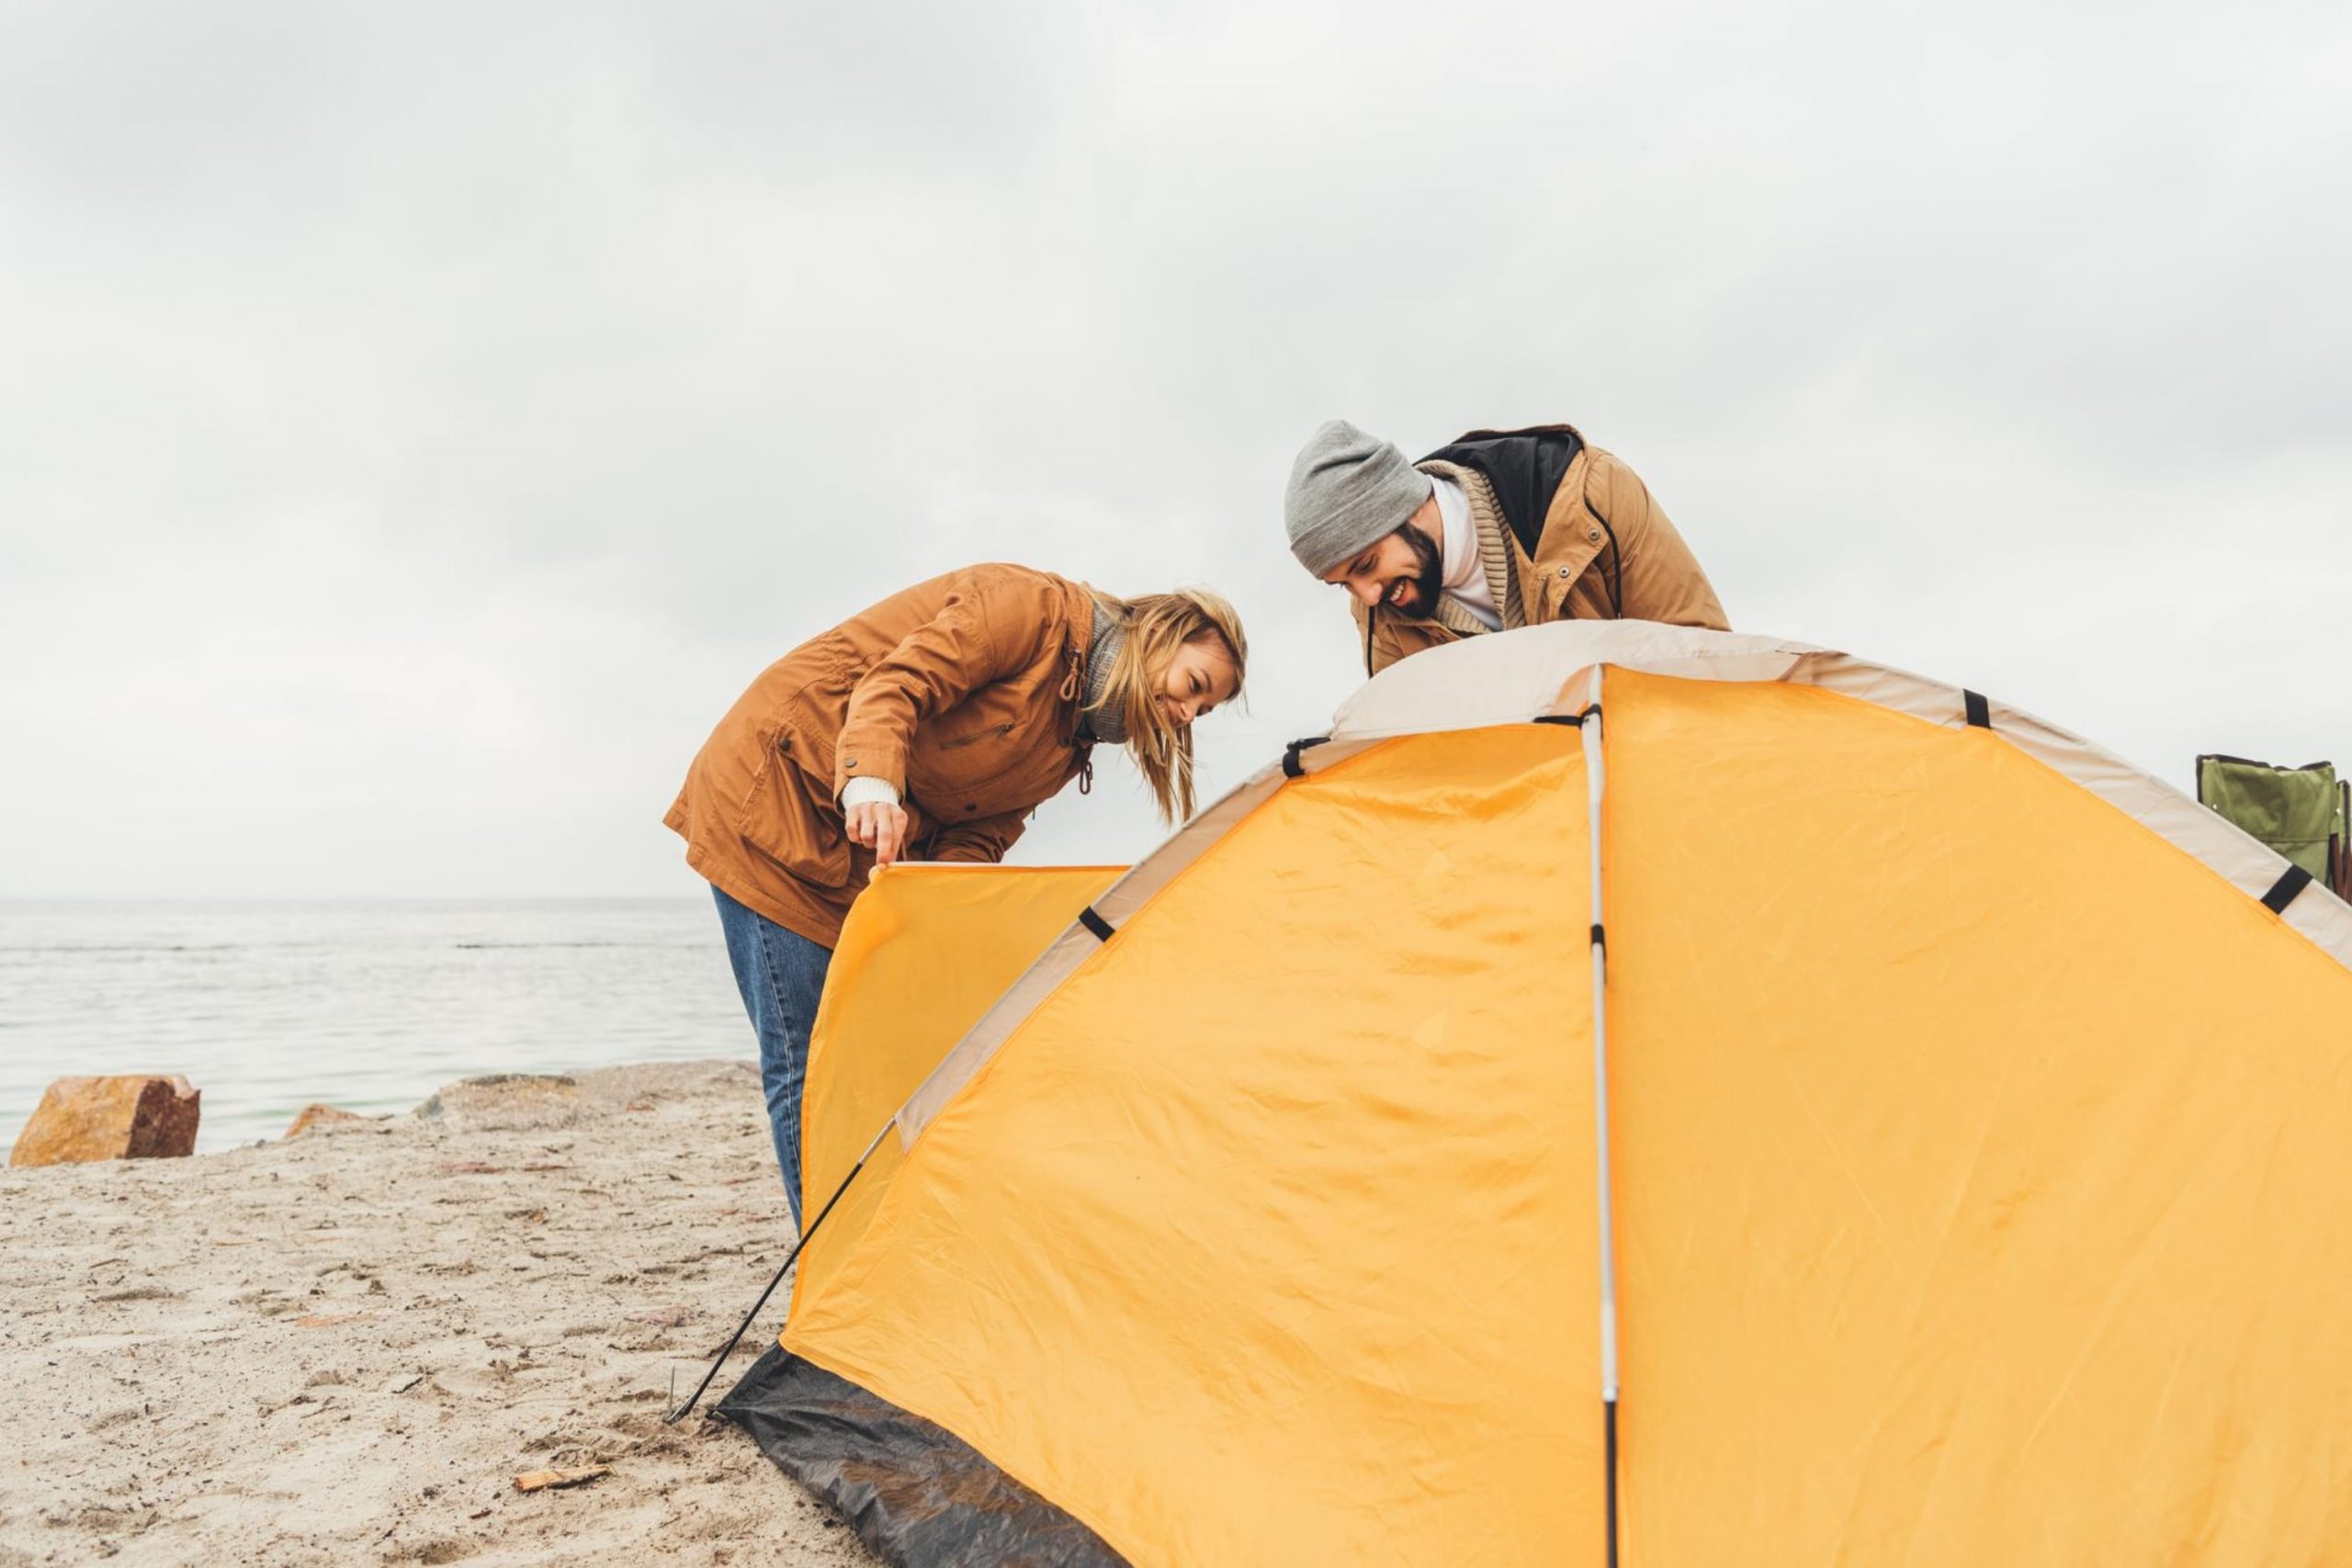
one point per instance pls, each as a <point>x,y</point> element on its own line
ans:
<point>541,1480</point>
<point>322,1118</point>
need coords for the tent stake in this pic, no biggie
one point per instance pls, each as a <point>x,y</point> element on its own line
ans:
<point>683,1411</point>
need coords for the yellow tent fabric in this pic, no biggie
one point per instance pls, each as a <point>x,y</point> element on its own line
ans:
<point>926,949</point>
<point>1976,1152</point>
<point>1234,1155</point>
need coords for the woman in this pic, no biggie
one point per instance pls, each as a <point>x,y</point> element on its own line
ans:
<point>927,727</point>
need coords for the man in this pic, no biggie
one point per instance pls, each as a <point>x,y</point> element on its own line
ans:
<point>1501,529</point>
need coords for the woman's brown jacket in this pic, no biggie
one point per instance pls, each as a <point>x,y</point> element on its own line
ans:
<point>963,692</point>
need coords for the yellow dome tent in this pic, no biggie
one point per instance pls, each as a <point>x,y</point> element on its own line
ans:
<point>1628,1095</point>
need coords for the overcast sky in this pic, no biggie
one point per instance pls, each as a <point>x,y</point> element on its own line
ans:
<point>417,424</point>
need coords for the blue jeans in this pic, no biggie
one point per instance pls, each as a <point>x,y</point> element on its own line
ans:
<point>781,974</point>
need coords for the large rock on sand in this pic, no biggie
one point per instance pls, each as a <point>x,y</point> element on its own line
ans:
<point>506,1102</point>
<point>130,1116</point>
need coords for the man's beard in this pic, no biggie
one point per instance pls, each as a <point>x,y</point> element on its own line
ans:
<point>1429,577</point>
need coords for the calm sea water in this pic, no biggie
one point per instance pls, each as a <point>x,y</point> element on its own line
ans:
<point>371,1006</point>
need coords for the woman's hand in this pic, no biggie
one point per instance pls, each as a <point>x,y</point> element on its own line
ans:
<point>880,826</point>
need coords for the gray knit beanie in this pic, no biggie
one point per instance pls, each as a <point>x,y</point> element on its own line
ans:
<point>1347,490</point>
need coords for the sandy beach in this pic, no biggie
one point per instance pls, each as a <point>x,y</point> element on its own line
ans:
<point>346,1347</point>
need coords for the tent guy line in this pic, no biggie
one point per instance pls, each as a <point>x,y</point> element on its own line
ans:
<point>683,1411</point>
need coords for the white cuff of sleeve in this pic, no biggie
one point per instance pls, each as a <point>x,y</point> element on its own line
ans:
<point>867,790</point>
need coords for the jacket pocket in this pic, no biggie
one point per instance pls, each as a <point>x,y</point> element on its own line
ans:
<point>789,817</point>
<point>993,732</point>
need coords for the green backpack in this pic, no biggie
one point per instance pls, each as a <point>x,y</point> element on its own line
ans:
<point>2303,813</point>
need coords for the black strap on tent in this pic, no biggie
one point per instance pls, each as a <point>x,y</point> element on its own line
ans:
<point>1101,928</point>
<point>1980,712</point>
<point>1292,767</point>
<point>683,1411</point>
<point>2282,892</point>
<point>1609,1448</point>
<point>1572,720</point>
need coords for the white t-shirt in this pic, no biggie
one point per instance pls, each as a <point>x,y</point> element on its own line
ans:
<point>1462,574</point>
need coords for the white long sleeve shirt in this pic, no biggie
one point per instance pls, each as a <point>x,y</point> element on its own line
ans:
<point>1462,574</point>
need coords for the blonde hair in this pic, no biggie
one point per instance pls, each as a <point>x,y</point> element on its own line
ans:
<point>1156,625</point>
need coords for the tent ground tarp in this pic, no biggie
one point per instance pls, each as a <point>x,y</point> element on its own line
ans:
<point>912,1492</point>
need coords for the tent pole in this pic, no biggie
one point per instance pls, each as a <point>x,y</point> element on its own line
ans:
<point>1596,778</point>
<point>683,1411</point>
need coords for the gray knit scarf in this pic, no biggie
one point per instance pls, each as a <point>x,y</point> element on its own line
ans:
<point>1096,720</point>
